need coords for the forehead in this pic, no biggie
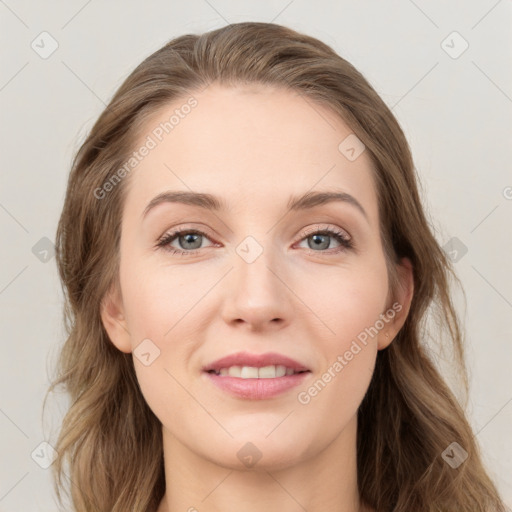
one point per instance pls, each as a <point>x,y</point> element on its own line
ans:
<point>247,143</point>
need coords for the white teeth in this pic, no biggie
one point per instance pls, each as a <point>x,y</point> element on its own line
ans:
<point>280,371</point>
<point>234,371</point>
<point>267,372</point>
<point>251,372</point>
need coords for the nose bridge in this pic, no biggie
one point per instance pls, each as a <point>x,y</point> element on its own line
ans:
<point>253,266</point>
<point>256,292</point>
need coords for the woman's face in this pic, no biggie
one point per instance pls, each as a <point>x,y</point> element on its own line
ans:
<point>253,276</point>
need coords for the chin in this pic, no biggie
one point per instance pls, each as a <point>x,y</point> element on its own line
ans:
<point>257,452</point>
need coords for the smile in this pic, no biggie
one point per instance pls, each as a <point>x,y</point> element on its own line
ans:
<point>252,372</point>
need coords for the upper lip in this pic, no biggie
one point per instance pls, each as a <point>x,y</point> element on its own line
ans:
<point>255,360</point>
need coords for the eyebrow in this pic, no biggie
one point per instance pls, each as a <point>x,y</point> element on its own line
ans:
<point>295,203</point>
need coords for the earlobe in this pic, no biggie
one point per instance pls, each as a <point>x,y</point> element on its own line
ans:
<point>402,304</point>
<point>113,319</point>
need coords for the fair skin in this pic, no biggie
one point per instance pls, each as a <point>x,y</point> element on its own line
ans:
<point>254,147</point>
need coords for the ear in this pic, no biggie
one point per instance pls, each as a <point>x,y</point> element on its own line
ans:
<point>113,319</point>
<point>400,306</point>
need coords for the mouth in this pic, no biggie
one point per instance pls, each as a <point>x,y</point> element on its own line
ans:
<point>255,376</point>
<point>252,366</point>
<point>253,372</point>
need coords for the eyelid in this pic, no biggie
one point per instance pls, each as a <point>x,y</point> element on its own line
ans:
<point>191,226</point>
<point>171,234</point>
<point>310,230</point>
<point>324,227</point>
<point>175,232</point>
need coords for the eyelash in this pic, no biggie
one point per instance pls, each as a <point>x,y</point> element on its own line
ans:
<point>164,242</point>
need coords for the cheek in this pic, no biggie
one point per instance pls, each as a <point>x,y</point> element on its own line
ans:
<point>156,302</point>
<point>349,305</point>
<point>162,305</point>
<point>349,351</point>
<point>156,299</point>
<point>345,301</point>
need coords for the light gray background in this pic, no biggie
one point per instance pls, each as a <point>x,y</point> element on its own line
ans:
<point>456,113</point>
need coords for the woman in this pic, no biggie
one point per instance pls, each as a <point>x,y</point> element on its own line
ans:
<point>278,362</point>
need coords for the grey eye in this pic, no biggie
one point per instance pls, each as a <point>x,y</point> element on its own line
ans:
<point>318,243</point>
<point>191,241</point>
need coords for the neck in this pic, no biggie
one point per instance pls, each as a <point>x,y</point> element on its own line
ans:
<point>326,480</point>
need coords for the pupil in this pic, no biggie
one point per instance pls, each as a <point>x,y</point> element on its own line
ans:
<point>316,238</point>
<point>195,237</point>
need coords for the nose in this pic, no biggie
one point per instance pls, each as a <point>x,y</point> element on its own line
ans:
<point>257,295</point>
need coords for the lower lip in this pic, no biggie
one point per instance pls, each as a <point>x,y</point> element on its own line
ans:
<point>256,389</point>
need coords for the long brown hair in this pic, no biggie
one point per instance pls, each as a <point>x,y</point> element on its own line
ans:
<point>409,418</point>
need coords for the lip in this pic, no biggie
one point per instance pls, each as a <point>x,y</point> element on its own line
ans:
<point>256,361</point>
<point>256,389</point>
